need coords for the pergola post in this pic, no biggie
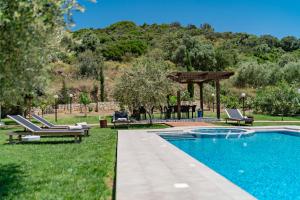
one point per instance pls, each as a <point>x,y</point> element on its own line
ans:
<point>178,104</point>
<point>218,99</point>
<point>201,97</point>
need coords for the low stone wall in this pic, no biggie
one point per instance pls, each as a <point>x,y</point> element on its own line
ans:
<point>77,108</point>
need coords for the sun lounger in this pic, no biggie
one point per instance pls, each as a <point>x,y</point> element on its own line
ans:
<point>236,115</point>
<point>49,125</point>
<point>120,118</point>
<point>32,129</point>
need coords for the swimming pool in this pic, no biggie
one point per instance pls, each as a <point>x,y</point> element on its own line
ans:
<point>265,164</point>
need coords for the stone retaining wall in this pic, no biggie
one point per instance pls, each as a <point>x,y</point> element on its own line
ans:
<point>76,108</point>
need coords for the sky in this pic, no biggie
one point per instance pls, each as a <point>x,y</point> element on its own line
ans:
<point>276,17</point>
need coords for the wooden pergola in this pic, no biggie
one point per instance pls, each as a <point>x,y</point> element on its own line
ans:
<point>200,78</point>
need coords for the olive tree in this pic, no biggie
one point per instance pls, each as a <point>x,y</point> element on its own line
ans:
<point>280,99</point>
<point>85,100</point>
<point>30,32</point>
<point>144,85</point>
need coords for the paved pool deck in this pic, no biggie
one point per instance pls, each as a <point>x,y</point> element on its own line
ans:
<point>150,168</point>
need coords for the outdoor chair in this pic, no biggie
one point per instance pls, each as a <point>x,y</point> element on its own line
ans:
<point>32,129</point>
<point>120,117</point>
<point>236,115</point>
<point>49,125</point>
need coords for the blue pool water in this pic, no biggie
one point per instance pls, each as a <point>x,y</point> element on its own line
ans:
<point>267,165</point>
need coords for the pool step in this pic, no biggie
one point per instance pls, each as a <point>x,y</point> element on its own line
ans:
<point>178,136</point>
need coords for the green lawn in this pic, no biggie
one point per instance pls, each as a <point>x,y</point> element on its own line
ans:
<point>258,124</point>
<point>256,116</point>
<point>58,168</point>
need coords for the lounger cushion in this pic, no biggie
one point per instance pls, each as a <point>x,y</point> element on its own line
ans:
<point>81,123</point>
<point>121,119</point>
<point>31,138</point>
<point>78,127</point>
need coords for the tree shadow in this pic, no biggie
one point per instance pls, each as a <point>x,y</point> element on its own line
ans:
<point>44,142</point>
<point>11,177</point>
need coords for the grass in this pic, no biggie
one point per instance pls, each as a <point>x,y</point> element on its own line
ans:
<point>257,117</point>
<point>258,124</point>
<point>58,168</point>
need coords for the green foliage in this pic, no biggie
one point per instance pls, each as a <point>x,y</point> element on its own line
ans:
<point>30,32</point>
<point>225,58</point>
<point>291,72</point>
<point>64,93</point>
<point>285,59</point>
<point>145,85</point>
<point>173,100</point>
<point>117,49</point>
<point>89,41</point>
<point>252,74</point>
<point>199,55</point>
<point>290,43</point>
<point>90,64</point>
<point>43,102</point>
<point>230,101</point>
<point>186,96</point>
<point>280,99</point>
<point>257,75</point>
<point>85,100</point>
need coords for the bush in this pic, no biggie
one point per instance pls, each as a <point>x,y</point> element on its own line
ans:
<point>257,75</point>
<point>280,99</point>
<point>291,72</point>
<point>116,51</point>
<point>230,101</point>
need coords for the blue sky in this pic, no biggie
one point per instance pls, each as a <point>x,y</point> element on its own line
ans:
<point>277,17</point>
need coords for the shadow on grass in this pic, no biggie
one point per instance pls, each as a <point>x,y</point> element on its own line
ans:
<point>139,126</point>
<point>56,142</point>
<point>11,177</point>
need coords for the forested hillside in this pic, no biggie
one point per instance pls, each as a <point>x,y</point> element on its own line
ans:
<point>92,60</point>
<point>256,59</point>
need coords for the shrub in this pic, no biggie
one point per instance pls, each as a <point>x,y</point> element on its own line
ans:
<point>291,72</point>
<point>230,101</point>
<point>116,51</point>
<point>257,75</point>
<point>280,99</point>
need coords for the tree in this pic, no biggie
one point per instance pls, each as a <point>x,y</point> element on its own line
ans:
<point>64,93</point>
<point>280,99</point>
<point>291,72</point>
<point>145,85</point>
<point>290,43</point>
<point>30,30</point>
<point>95,96</point>
<point>285,59</point>
<point>85,100</point>
<point>206,28</point>
<point>194,56</point>
<point>225,58</point>
<point>117,49</point>
<point>257,75</point>
<point>43,102</point>
<point>270,40</point>
<point>201,55</point>
<point>91,64</point>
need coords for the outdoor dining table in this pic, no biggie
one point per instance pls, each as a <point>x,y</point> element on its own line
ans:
<point>185,109</point>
